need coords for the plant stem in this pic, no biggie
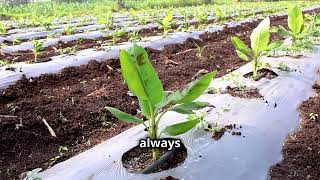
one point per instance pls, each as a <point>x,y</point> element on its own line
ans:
<point>255,68</point>
<point>155,151</point>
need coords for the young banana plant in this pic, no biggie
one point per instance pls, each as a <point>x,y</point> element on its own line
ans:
<point>167,22</point>
<point>3,28</point>
<point>218,12</point>
<point>37,47</point>
<point>259,45</point>
<point>295,24</point>
<point>143,82</point>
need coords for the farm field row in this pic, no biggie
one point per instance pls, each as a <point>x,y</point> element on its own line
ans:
<point>49,118</point>
<point>73,101</point>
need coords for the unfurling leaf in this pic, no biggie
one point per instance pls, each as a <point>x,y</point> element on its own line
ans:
<point>295,20</point>
<point>260,36</point>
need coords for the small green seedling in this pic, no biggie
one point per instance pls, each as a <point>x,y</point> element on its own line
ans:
<point>46,22</point>
<point>143,82</point>
<point>37,47</point>
<point>218,12</point>
<point>234,78</point>
<point>167,22</point>
<point>185,25</point>
<point>117,33</point>
<point>202,18</point>
<point>107,21</point>
<point>283,66</point>
<point>134,36</point>
<point>3,28</point>
<point>200,50</point>
<point>313,117</point>
<point>259,45</point>
<point>16,41</point>
<point>3,63</point>
<point>69,30</point>
<point>295,24</point>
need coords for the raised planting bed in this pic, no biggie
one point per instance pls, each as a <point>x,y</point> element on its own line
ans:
<point>301,149</point>
<point>259,123</point>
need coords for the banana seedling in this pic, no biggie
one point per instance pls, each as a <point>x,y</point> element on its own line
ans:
<point>69,30</point>
<point>185,25</point>
<point>218,12</point>
<point>107,21</point>
<point>259,45</point>
<point>295,24</point>
<point>134,36</point>
<point>200,50</point>
<point>143,82</point>
<point>37,47</point>
<point>3,28</point>
<point>46,22</point>
<point>202,18</point>
<point>118,33</point>
<point>167,22</point>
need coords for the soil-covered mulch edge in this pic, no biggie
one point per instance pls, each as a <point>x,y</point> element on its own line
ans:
<point>301,150</point>
<point>73,101</point>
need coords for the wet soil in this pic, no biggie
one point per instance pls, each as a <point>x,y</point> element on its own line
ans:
<point>248,93</point>
<point>262,73</point>
<point>301,150</point>
<point>137,159</point>
<point>72,102</point>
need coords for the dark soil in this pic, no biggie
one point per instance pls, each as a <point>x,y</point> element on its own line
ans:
<point>252,93</point>
<point>301,151</point>
<point>137,159</point>
<point>73,101</point>
<point>68,48</point>
<point>262,73</point>
<point>217,135</point>
<point>169,178</point>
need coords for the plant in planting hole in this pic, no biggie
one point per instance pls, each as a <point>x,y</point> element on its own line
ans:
<point>143,20</point>
<point>3,28</point>
<point>16,41</point>
<point>313,24</point>
<point>143,82</point>
<point>69,30</point>
<point>295,24</point>
<point>185,24</point>
<point>167,22</point>
<point>134,36</point>
<point>117,33</point>
<point>218,12</point>
<point>202,18</point>
<point>107,21</point>
<point>259,45</point>
<point>46,22</point>
<point>200,50</point>
<point>37,47</point>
